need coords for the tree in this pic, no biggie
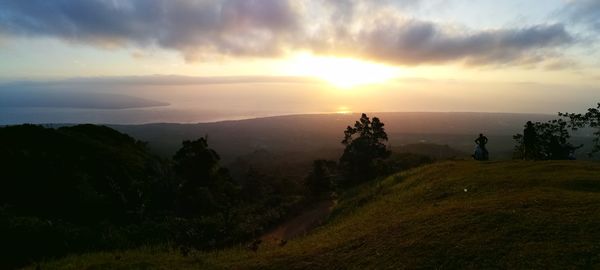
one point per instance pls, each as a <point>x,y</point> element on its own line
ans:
<point>205,188</point>
<point>542,141</point>
<point>320,181</point>
<point>590,119</point>
<point>530,142</point>
<point>364,145</point>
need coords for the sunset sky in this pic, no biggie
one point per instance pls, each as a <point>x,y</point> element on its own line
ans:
<point>266,57</point>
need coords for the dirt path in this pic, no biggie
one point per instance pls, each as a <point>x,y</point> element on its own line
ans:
<point>301,224</point>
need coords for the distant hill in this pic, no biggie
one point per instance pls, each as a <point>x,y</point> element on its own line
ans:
<point>454,215</point>
<point>314,132</point>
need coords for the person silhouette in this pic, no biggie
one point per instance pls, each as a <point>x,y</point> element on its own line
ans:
<point>481,153</point>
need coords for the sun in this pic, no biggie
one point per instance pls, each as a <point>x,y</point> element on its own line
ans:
<point>341,72</point>
<point>343,110</point>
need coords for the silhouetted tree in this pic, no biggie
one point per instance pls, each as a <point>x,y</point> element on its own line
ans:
<point>544,141</point>
<point>321,179</point>
<point>530,142</point>
<point>590,119</point>
<point>206,188</point>
<point>364,145</point>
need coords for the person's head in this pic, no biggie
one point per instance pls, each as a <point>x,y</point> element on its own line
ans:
<point>480,134</point>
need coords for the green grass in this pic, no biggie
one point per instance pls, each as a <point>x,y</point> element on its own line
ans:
<point>462,214</point>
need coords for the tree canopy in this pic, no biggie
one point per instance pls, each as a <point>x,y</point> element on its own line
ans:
<point>320,181</point>
<point>589,119</point>
<point>364,144</point>
<point>548,140</point>
<point>206,187</point>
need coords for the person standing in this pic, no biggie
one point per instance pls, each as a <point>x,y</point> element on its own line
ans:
<point>481,141</point>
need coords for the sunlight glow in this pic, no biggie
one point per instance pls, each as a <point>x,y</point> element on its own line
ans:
<point>343,110</point>
<point>341,72</point>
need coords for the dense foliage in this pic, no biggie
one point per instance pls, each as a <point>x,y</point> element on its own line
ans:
<point>205,188</point>
<point>322,178</point>
<point>77,188</point>
<point>364,146</point>
<point>545,141</point>
<point>87,187</point>
<point>589,119</point>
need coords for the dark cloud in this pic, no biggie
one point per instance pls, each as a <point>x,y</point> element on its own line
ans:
<point>416,42</point>
<point>240,27</point>
<point>268,28</point>
<point>584,12</point>
<point>372,30</point>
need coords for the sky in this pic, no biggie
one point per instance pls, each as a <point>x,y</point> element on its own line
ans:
<point>137,61</point>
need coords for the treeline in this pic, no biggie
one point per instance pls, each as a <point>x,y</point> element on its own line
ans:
<point>550,140</point>
<point>86,188</point>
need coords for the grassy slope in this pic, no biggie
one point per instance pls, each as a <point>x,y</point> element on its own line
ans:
<point>448,215</point>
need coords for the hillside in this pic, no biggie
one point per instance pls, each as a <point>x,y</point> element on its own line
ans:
<point>458,214</point>
<point>75,189</point>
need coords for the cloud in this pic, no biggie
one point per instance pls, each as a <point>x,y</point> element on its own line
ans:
<point>237,27</point>
<point>584,12</point>
<point>377,30</point>
<point>416,42</point>
<point>560,64</point>
<point>100,83</point>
